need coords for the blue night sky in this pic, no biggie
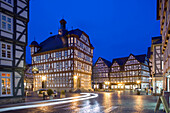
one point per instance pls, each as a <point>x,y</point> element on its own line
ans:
<point>116,27</point>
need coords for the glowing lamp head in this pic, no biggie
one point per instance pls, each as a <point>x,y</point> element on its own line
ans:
<point>75,77</point>
<point>138,81</point>
<point>43,78</point>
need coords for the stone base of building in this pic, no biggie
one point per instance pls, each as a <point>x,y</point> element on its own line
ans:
<point>12,100</point>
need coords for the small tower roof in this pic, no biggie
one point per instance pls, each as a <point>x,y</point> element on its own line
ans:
<point>34,43</point>
<point>63,21</point>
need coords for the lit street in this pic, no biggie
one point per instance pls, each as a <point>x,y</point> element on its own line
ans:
<point>106,102</point>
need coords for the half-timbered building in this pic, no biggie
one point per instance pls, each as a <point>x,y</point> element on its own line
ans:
<point>130,72</point>
<point>101,71</point>
<point>14,16</point>
<point>156,60</point>
<point>28,78</point>
<point>163,14</point>
<point>124,73</point>
<point>65,60</point>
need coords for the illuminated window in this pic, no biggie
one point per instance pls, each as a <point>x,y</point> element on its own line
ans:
<point>6,84</point>
<point>6,23</point>
<point>6,50</point>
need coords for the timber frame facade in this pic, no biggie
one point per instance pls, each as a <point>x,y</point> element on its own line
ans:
<point>67,66</point>
<point>156,63</point>
<point>123,73</point>
<point>14,17</point>
<point>163,14</point>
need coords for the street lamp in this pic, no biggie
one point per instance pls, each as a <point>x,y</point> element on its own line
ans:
<point>75,77</point>
<point>107,83</point>
<point>43,78</point>
<point>43,81</point>
<point>35,70</point>
<point>138,82</point>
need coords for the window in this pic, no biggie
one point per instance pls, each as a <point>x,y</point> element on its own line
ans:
<point>10,2</point>
<point>6,50</point>
<point>6,23</point>
<point>71,39</point>
<point>65,53</point>
<point>56,54</point>
<point>6,84</point>
<point>60,54</point>
<point>46,56</point>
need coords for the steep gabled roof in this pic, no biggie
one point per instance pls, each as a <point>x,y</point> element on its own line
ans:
<point>108,63</point>
<point>157,40</point>
<point>58,41</point>
<point>120,61</point>
<point>141,58</point>
<point>76,32</point>
<point>52,43</point>
<point>149,53</point>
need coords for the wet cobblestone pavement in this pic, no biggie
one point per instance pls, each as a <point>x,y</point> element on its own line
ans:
<point>107,102</point>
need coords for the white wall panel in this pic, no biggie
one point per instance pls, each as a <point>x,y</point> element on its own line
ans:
<point>19,92</point>
<point>21,4</point>
<point>5,34</point>
<point>6,62</point>
<point>16,81</point>
<point>24,14</point>
<point>20,22</point>
<point>9,8</point>
<point>18,54</point>
<point>20,28</point>
<point>18,47</point>
<point>21,64</point>
<point>23,38</point>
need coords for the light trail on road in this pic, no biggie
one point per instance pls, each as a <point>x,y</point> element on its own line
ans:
<point>66,100</point>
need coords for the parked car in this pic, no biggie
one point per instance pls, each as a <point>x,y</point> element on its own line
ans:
<point>40,91</point>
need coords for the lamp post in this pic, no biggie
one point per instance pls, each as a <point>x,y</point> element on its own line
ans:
<point>44,81</point>
<point>138,82</point>
<point>35,70</point>
<point>75,81</point>
<point>107,83</point>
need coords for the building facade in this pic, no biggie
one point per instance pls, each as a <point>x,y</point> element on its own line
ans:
<point>63,61</point>
<point>126,73</point>
<point>28,78</point>
<point>14,17</point>
<point>163,14</point>
<point>101,71</point>
<point>156,60</point>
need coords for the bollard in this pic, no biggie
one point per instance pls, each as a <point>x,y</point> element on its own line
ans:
<point>166,94</point>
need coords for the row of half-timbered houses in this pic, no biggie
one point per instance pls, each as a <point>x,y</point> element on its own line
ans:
<point>156,64</point>
<point>65,60</point>
<point>14,16</point>
<point>123,73</point>
<point>163,14</point>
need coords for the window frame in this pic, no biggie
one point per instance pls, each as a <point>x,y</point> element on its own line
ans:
<point>6,2</point>
<point>11,85</point>
<point>6,50</point>
<point>7,23</point>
